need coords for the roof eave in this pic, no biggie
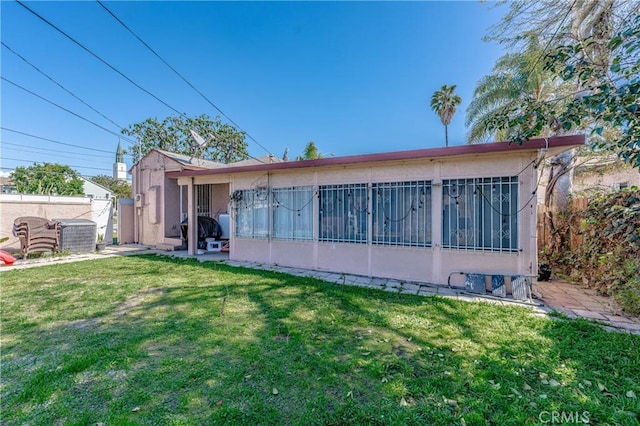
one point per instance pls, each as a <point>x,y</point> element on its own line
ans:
<point>556,143</point>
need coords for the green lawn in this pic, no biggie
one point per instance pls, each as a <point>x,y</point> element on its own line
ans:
<point>154,340</point>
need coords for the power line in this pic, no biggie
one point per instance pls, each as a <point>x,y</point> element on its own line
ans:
<point>35,162</point>
<point>60,85</point>
<point>53,141</point>
<point>86,49</point>
<point>40,150</point>
<point>59,106</point>
<point>181,76</point>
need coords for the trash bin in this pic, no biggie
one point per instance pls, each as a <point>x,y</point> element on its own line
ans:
<point>77,235</point>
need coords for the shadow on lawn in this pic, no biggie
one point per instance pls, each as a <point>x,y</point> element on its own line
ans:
<point>288,350</point>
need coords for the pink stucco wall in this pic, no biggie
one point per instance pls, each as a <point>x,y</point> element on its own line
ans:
<point>155,219</point>
<point>427,264</point>
<point>158,199</point>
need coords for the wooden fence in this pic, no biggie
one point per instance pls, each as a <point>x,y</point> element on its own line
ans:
<point>570,230</point>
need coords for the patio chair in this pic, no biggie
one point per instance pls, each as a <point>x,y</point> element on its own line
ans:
<point>36,234</point>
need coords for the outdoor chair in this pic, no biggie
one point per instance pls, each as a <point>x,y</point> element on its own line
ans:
<point>207,228</point>
<point>36,234</point>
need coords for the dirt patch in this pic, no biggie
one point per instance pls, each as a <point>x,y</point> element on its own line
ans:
<point>121,310</point>
<point>84,323</point>
<point>136,300</point>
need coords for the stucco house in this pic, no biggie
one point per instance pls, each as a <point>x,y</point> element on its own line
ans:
<point>604,173</point>
<point>417,215</point>
<point>593,173</point>
<point>159,206</point>
<point>94,190</point>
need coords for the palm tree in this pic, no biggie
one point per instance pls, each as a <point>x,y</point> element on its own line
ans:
<point>444,103</point>
<point>515,77</point>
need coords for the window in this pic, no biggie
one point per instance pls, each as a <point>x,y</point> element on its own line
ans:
<point>343,213</point>
<point>252,213</point>
<point>293,213</point>
<point>203,200</point>
<point>402,214</point>
<point>480,214</point>
<point>620,185</point>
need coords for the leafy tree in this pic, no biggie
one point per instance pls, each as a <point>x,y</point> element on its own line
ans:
<point>556,22</point>
<point>47,179</point>
<point>604,96</point>
<point>310,152</point>
<point>224,143</point>
<point>444,103</point>
<point>120,188</point>
<point>584,51</point>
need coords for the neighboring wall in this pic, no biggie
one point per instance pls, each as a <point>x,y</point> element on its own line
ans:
<point>593,175</point>
<point>13,206</point>
<point>604,177</point>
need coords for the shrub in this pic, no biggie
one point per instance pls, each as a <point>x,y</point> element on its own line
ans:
<point>608,259</point>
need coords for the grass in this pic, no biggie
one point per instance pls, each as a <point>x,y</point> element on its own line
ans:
<point>152,340</point>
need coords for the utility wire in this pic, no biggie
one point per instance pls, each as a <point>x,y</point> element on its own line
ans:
<point>181,76</point>
<point>41,150</point>
<point>61,86</point>
<point>99,58</point>
<point>59,106</point>
<point>35,162</point>
<point>53,141</point>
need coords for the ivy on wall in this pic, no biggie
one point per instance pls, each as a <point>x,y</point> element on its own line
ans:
<point>608,259</point>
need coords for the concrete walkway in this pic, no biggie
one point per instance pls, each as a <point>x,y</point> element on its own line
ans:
<point>575,301</point>
<point>566,298</point>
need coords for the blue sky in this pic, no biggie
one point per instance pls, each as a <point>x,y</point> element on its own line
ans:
<point>355,77</point>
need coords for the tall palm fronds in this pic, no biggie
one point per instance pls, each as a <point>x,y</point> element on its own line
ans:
<point>515,77</point>
<point>444,103</point>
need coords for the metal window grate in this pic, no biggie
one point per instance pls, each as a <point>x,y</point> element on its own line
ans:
<point>203,200</point>
<point>252,213</point>
<point>293,213</point>
<point>480,214</point>
<point>402,214</point>
<point>343,213</point>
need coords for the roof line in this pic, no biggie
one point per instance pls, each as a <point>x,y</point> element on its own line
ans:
<point>487,148</point>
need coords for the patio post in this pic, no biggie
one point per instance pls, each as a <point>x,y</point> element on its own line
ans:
<point>192,218</point>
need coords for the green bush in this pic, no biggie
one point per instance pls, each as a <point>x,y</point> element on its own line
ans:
<point>609,257</point>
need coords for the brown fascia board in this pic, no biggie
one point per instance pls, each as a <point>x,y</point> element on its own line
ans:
<point>428,153</point>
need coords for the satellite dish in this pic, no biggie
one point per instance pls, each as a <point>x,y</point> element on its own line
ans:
<point>199,139</point>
